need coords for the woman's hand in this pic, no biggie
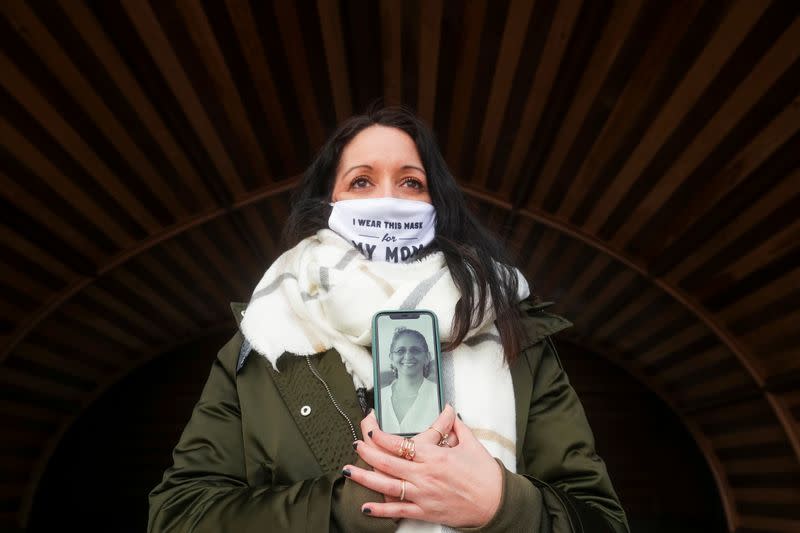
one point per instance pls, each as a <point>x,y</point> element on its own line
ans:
<point>458,486</point>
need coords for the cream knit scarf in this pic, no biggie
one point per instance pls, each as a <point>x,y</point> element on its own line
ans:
<point>323,293</point>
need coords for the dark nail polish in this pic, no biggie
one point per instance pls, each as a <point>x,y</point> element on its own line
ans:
<point>366,510</point>
<point>355,445</point>
<point>346,472</point>
<point>459,416</point>
<point>369,433</point>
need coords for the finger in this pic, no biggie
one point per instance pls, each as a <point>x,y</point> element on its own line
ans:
<point>379,459</point>
<point>391,443</point>
<point>394,510</point>
<point>443,425</point>
<point>380,482</point>
<point>368,424</point>
<point>462,433</point>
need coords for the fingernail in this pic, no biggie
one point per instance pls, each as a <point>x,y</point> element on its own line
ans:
<point>366,510</point>
<point>459,416</point>
<point>369,433</point>
<point>355,445</point>
<point>346,472</point>
<point>370,411</point>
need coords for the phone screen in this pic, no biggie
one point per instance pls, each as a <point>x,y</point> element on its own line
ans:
<point>405,354</point>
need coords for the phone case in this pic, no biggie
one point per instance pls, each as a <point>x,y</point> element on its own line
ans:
<point>436,355</point>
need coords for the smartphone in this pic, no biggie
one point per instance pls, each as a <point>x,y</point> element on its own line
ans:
<point>407,364</point>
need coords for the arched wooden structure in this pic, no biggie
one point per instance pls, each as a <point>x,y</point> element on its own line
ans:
<point>643,154</point>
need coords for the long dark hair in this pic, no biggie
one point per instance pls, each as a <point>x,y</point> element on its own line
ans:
<point>476,259</point>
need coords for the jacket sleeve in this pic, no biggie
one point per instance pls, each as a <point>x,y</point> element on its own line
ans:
<point>206,488</point>
<point>560,458</point>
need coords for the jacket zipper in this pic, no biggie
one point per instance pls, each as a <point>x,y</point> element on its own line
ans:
<point>330,395</point>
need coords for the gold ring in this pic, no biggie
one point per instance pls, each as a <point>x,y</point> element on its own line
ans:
<point>402,489</point>
<point>407,449</point>
<point>444,442</point>
<point>442,435</point>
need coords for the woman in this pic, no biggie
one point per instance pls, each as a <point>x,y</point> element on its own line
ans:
<point>274,442</point>
<point>410,402</point>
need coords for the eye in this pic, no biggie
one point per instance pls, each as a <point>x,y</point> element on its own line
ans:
<point>359,182</point>
<point>412,183</point>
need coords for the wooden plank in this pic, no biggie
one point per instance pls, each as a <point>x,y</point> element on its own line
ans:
<point>181,285</point>
<point>784,495</point>
<point>227,93</point>
<point>60,65</point>
<point>30,156</point>
<point>769,523</point>
<point>743,163</point>
<point>772,330</point>
<point>541,250</point>
<point>738,22</point>
<point>430,28</point>
<point>506,64</point>
<point>331,26</point>
<point>189,267</point>
<point>297,59</point>
<point>33,252</point>
<point>18,378</point>
<point>620,24</point>
<point>21,282</point>
<point>42,213</point>
<point>773,247</point>
<point>260,71</point>
<point>695,363</point>
<point>674,344</point>
<point>117,69</point>
<point>99,324</point>
<point>757,300</point>
<point>574,295</point>
<point>60,362</point>
<point>152,35</point>
<point>558,38</point>
<point>133,317</point>
<point>750,436</point>
<point>223,266</point>
<point>621,316</point>
<point>170,309</point>
<point>761,465</point>
<point>631,103</point>
<point>555,276</point>
<point>639,338</point>
<point>30,412</point>
<point>773,200</point>
<point>92,347</point>
<point>464,83</point>
<point>391,13</point>
<point>255,224</point>
<point>601,303</point>
<point>718,384</point>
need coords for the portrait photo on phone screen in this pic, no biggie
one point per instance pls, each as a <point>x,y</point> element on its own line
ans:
<point>407,381</point>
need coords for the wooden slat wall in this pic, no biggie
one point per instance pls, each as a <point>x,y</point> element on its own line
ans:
<point>639,158</point>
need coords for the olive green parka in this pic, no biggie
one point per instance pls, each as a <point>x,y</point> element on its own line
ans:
<point>263,450</point>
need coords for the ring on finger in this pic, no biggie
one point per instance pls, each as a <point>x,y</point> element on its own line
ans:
<point>410,450</point>
<point>441,435</point>
<point>402,489</point>
<point>407,449</point>
<point>444,441</point>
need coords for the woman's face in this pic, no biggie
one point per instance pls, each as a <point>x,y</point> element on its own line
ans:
<point>380,162</point>
<point>409,355</point>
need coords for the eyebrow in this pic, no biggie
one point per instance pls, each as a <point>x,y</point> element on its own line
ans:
<point>404,167</point>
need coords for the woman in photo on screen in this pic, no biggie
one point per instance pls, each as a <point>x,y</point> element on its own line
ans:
<point>409,404</point>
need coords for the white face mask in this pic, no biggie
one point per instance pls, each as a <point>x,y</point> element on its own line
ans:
<point>385,229</point>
